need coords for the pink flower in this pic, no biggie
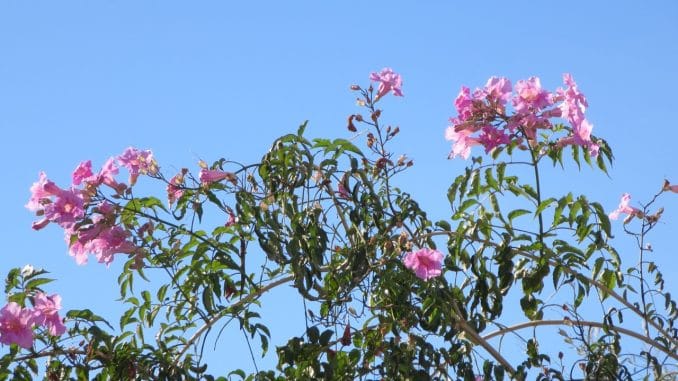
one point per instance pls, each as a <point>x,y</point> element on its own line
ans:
<point>530,96</point>
<point>77,247</point>
<point>109,242</point>
<point>174,191</point>
<point>670,187</point>
<point>425,263</point>
<point>581,137</point>
<point>388,81</point>
<point>625,208</point>
<point>498,89</point>
<point>64,207</point>
<point>47,313</point>
<point>464,105</point>
<point>492,137</point>
<point>574,102</point>
<point>83,173</point>
<point>231,219</point>
<point>16,325</point>
<point>107,174</point>
<point>208,176</point>
<point>67,208</point>
<point>343,191</point>
<point>138,162</point>
<point>38,193</point>
<point>462,142</point>
<point>100,239</point>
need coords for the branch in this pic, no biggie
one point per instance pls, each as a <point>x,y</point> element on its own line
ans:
<point>476,338</point>
<point>584,323</point>
<point>208,324</point>
<point>575,273</point>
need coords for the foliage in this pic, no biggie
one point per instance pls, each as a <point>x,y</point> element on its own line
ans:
<point>364,257</point>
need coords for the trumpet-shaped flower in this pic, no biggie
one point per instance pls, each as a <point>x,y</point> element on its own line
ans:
<point>111,241</point>
<point>425,263</point>
<point>498,89</point>
<point>464,105</point>
<point>670,187</point>
<point>388,81</point>
<point>581,137</point>
<point>492,137</point>
<point>574,102</point>
<point>57,205</point>
<point>83,173</point>
<point>38,193</point>
<point>208,176</point>
<point>174,190</point>
<point>47,313</point>
<point>530,96</point>
<point>462,142</point>
<point>16,325</point>
<point>138,162</point>
<point>625,208</point>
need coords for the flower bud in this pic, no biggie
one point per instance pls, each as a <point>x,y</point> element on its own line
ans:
<point>375,115</point>
<point>351,127</point>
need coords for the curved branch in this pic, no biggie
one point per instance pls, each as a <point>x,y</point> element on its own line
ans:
<point>584,323</point>
<point>476,338</point>
<point>214,319</point>
<point>575,273</point>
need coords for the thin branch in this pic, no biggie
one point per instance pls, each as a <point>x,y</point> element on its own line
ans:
<point>571,271</point>
<point>476,338</point>
<point>209,323</point>
<point>582,323</point>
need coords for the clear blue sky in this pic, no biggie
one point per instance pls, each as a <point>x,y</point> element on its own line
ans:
<point>210,79</point>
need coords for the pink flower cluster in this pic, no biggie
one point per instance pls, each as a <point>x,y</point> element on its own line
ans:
<point>89,224</point>
<point>482,117</point>
<point>388,81</point>
<point>425,263</point>
<point>16,322</point>
<point>102,237</point>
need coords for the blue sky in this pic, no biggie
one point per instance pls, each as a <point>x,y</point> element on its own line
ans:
<point>83,80</point>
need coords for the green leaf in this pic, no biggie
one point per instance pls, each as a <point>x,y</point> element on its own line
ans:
<point>86,315</point>
<point>302,128</point>
<point>545,204</point>
<point>37,282</point>
<point>313,334</point>
<point>345,145</point>
<point>517,213</point>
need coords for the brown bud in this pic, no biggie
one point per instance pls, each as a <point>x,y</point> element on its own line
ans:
<point>351,127</point>
<point>382,162</point>
<point>358,117</point>
<point>355,87</point>
<point>655,217</point>
<point>346,337</point>
<point>395,131</point>
<point>375,115</point>
<point>370,140</point>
